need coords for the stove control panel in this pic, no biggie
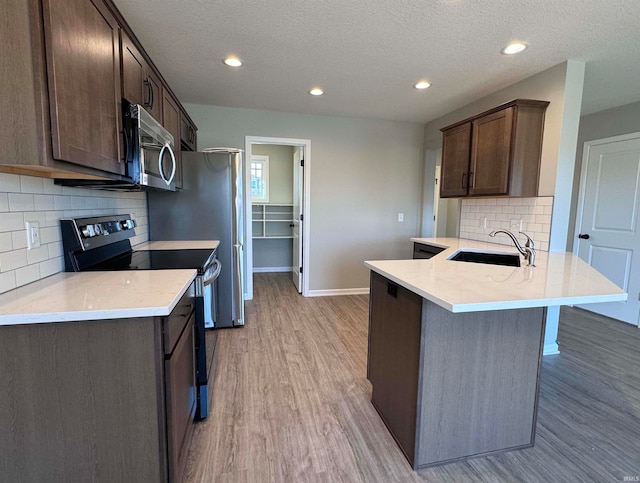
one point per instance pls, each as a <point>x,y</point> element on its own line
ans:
<point>104,228</point>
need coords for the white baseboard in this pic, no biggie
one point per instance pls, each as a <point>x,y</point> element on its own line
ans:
<point>550,349</point>
<point>272,269</point>
<point>338,291</point>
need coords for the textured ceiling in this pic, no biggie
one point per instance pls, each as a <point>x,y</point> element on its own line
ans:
<point>367,54</point>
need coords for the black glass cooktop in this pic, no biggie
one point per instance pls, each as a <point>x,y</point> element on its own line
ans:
<point>157,260</point>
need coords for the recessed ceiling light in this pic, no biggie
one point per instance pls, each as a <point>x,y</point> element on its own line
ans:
<point>316,91</point>
<point>514,48</point>
<point>422,85</point>
<point>232,61</point>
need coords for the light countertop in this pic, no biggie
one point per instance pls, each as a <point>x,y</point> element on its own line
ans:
<point>178,245</point>
<point>557,279</point>
<point>69,296</point>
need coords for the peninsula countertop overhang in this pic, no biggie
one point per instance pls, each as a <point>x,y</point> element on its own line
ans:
<point>558,279</point>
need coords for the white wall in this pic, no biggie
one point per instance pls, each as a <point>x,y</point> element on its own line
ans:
<point>363,173</point>
<point>604,124</point>
<point>280,171</point>
<point>26,198</point>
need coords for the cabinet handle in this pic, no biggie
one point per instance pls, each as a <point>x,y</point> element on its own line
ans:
<point>471,183</point>
<point>464,175</point>
<point>150,95</point>
<point>147,102</point>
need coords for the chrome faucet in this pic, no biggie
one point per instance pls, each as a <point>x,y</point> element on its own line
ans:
<point>528,251</point>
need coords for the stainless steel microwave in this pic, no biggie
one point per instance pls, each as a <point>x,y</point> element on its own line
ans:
<point>149,149</point>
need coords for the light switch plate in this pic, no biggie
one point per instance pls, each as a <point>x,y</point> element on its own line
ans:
<point>516,223</point>
<point>33,234</point>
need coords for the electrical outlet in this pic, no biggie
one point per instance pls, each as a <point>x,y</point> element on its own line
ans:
<point>483,222</point>
<point>400,217</point>
<point>33,234</point>
<point>516,223</point>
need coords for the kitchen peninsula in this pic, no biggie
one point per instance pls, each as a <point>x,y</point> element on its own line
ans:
<point>455,347</point>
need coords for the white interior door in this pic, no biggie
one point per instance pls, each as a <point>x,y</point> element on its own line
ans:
<point>608,230</point>
<point>298,197</point>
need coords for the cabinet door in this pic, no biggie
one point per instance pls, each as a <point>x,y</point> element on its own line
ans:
<point>456,143</point>
<point>187,133</point>
<point>180,399</point>
<point>140,84</point>
<point>490,154</point>
<point>133,72</point>
<point>154,96</point>
<point>83,69</point>
<point>171,122</point>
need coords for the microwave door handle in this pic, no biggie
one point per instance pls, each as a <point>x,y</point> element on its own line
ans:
<point>173,169</point>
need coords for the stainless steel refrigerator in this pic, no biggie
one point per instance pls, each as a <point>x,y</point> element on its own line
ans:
<point>209,207</point>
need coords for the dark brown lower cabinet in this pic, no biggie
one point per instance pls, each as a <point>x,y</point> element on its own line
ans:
<point>101,400</point>
<point>451,386</point>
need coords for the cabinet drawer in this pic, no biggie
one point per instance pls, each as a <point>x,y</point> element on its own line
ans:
<point>174,324</point>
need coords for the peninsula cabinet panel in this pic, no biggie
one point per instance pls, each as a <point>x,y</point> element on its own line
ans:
<point>502,146</point>
<point>393,358</point>
<point>451,386</point>
<point>83,68</point>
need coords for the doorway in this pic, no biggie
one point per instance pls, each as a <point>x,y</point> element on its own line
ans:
<point>607,226</point>
<point>278,221</point>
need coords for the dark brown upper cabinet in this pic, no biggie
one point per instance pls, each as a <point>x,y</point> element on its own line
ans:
<point>140,84</point>
<point>66,65</point>
<point>495,153</point>
<point>83,73</point>
<point>188,133</point>
<point>171,122</point>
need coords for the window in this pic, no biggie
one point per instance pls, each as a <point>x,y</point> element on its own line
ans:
<point>260,178</point>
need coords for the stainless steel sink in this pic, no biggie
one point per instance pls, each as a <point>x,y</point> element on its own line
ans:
<point>491,258</point>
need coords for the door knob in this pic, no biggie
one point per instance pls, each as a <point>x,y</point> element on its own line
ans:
<point>584,236</point>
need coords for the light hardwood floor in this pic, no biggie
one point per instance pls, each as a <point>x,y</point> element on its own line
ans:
<point>292,403</point>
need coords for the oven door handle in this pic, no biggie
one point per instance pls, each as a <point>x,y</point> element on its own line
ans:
<point>212,278</point>
<point>173,169</point>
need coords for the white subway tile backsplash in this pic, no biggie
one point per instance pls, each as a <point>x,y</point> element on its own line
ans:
<point>50,234</point>
<point>4,201</point>
<point>9,183</point>
<point>27,274</point>
<point>499,213</point>
<point>19,239</point>
<point>51,266</point>
<point>13,259</point>
<point>43,202</point>
<point>36,255</point>
<point>21,202</point>
<point>6,243</point>
<point>25,198</point>
<point>51,188</point>
<point>7,281</point>
<point>31,184</point>
<point>11,222</point>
